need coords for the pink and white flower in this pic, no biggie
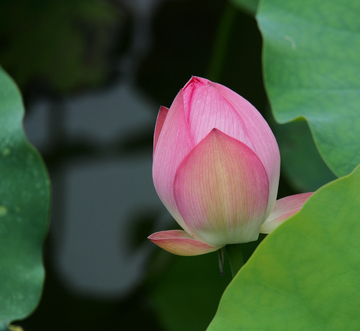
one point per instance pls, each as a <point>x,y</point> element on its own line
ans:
<point>216,166</point>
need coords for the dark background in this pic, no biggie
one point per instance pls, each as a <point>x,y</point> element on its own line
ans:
<point>93,75</point>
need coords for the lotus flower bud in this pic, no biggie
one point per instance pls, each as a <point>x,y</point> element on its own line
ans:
<point>216,166</point>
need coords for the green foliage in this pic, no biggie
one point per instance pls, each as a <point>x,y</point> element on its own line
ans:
<point>301,163</point>
<point>24,208</point>
<point>249,6</point>
<point>306,274</point>
<point>61,43</point>
<point>312,68</point>
<point>187,294</point>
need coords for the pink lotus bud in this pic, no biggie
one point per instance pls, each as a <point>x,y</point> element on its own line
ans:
<point>216,167</point>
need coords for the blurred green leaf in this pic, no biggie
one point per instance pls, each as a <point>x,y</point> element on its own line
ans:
<point>24,208</point>
<point>306,274</point>
<point>300,160</point>
<point>61,43</point>
<point>15,328</point>
<point>249,6</point>
<point>187,294</point>
<point>312,69</point>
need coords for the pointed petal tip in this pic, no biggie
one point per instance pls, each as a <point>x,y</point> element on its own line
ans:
<point>195,80</point>
<point>179,242</point>
<point>284,208</point>
<point>163,111</point>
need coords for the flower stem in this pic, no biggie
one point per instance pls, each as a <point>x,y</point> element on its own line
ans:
<point>236,259</point>
<point>221,256</point>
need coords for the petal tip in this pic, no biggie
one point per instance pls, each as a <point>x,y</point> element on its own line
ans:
<point>179,242</point>
<point>284,209</point>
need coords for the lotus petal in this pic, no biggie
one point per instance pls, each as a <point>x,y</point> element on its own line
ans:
<point>180,243</point>
<point>159,124</point>
<point>219,107</point>
<point>173,144</point>
<point>221,190</point>
<point>284,209</point>
<point>205,109</point>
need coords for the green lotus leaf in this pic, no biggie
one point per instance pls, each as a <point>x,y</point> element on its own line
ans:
<point>311,70</point>
<point>24,209</point>
<point>306,274</point>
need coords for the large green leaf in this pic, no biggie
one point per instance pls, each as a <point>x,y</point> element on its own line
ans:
<point>24,207</point>
<point>306,274</point>
<point>312,70</point>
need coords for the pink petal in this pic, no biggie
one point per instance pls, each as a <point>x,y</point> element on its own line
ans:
<point>173,144</point>
<point>221,189</point>
<point>219,107</point>
<point>284,209</point>
<point>180,243</point>
<point>206,109</point>
<point>159,124</point>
